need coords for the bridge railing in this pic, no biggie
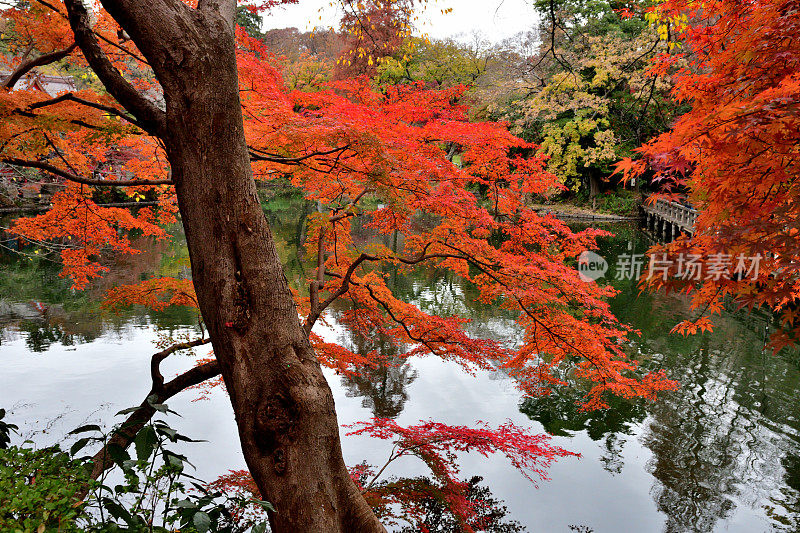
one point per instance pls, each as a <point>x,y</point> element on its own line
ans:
<point>674,212</point>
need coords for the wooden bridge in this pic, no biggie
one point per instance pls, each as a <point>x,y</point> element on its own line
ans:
<point>666,220</point>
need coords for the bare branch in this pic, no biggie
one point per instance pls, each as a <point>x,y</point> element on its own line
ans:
<point>260,155</point>
<point>150,117</point>
<point>79,179</point>
<point>72,98</point>
<point>27,66</point>
<point>155,361</point>
<point>316,310</point>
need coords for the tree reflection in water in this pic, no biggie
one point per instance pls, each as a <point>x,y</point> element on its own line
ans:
<point>383,387</point>
<point>729,436</point>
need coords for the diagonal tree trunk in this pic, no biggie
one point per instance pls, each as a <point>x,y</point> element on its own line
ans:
<point>284,407</point>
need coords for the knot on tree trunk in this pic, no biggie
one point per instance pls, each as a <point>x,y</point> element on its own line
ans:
<point>274,428</point>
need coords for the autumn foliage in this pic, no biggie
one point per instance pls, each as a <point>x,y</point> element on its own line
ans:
<point>399,501</point>
<point>382,156</point>
<point>734,154</point>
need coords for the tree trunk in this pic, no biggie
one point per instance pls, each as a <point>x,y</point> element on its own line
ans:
<point>594,185</point>
<point>284,407</point>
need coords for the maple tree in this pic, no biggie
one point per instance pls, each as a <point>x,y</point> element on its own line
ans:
<point>734,156</point>
<point>193,109</point>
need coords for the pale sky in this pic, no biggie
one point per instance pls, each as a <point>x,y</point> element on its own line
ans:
<point>495,19</point>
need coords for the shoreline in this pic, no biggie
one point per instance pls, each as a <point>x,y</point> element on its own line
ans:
<point>575,213</point>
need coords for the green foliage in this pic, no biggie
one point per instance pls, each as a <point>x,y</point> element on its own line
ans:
<point>560,414</point>
<point>28,275</point>
<point>157,494</point>
<point>444,63</point>
<point>38,490</point>
<point>621,203</point>
<point>588,100</point>
<point>5,431</point>
<point>249,21</point>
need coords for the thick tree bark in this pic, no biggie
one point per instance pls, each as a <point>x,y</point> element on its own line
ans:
<point>284,407</point>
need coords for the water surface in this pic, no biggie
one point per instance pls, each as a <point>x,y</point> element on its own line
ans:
<point>720,454</point>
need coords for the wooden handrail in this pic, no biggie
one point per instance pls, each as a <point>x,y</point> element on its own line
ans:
<point>674,212</point>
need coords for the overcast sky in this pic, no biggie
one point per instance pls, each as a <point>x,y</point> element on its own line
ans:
<point>495,19</point>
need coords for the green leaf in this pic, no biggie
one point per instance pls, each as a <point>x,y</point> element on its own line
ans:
<point>266,505</point>
<point>175,458</point>
<point>174,461</point>
<point>118,454</point>
<point>84,429</point>
<point>117,511</point>
<point>127,410</point>
<point>201,521</point>
<point>185,503</point>
<point>168,432</point>
<point>78,446</point>
<point>145,442</point>
<point>153,402</point>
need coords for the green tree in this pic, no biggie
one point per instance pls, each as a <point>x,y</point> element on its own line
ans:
<point>586,97</point>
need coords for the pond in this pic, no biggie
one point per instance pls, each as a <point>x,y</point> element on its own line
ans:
<point>720,454</point>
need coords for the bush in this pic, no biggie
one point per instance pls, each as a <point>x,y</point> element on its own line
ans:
<point>622,203</point>
<point>38,490</point>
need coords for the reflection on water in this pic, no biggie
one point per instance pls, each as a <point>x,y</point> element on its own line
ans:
<point>723,452</point>
<point>721,440</point>
<point>383,388</point>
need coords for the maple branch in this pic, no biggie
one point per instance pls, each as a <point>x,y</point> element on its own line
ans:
<point>27,66</point>
<point>555,336</point>
<point>353,202</point>
<point>151,118</point>
<point>316,310</point>
<point>257,154</point>
<point>423,256</point>
<point>159,393</point>
<point>45,208</point>
<point>392,457</point>
<point>399,320</point>
<point>72,98</point>
<point>80,179</point>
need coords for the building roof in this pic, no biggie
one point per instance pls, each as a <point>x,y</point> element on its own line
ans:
<point>47,83</point>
